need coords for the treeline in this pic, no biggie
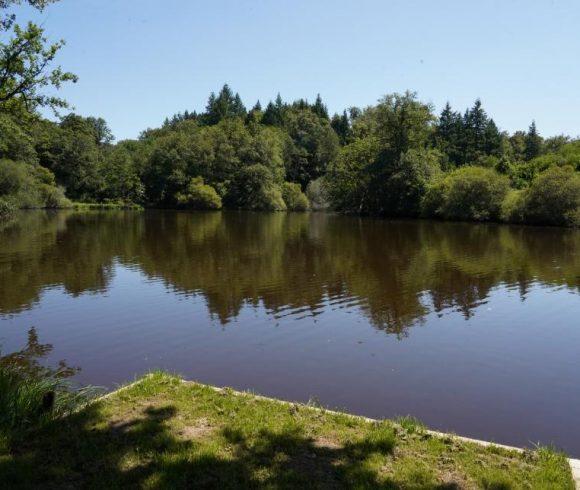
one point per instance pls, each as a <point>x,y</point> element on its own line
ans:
<point>396,158</point>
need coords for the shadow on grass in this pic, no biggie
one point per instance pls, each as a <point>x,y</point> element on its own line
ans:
<point>143,451</point>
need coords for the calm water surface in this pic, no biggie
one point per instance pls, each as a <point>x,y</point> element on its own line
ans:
<point>471,328</point>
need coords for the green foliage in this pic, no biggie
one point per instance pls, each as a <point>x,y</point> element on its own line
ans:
<point>388,159</point>
<point>313,147</point>
<point>225,105</point>
<point>253,187</point>
<point>7,209</point>
<point>406,185</point>
<point>199,196</point>
<point>554,198</point>
<point>401,123</point>
<point>513,206</point>
<point>468,193</point>
<point>294,198</point>
<point>24,185</point>
<point>25,59</point>
<point>15,143</point>
<point>533,143</point>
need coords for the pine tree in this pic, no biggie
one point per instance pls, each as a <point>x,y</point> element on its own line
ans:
<point>533,142</point>
<point>449,133</point>
<point>225,105</point>
<point>319,108</point>
<point>492,137</point>
<point>274,113</point>
<point>475,122</point>
<point>254,114</point>
<point>341,126</point>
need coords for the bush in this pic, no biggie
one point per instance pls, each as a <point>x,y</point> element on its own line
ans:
<point>7,209</point>
<point>53,197</point>
<point>513,206</point>
<point>29,186</point>
<point>199,196</point>
<point>13,177</point>
<point>554,198</point>
<point>294,198</point>
<point>468,193</point>
<point>253,187</point>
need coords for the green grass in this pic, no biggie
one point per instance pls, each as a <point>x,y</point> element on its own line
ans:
<point>28,402</point>
<point>162,433</point>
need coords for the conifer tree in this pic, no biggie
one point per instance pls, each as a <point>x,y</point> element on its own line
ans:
<point>341,126</point>
<point>319,108</point>
<point>225,105</point>
<point>274,113</point>
<point>533,142</point>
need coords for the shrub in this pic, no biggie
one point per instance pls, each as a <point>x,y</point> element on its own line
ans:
<point>513,206</point>
<point>53,197</point>
<point>468,193</point>
<point>30,186</point>
<point>7,209</point>
<point>554,198</point>
<point>294,198</point>
<point>199,196</point>
<point>270,199</point>
<point>253,187</point>
<point>13,177</point>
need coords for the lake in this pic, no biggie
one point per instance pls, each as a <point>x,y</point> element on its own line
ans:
<point>471,328</point>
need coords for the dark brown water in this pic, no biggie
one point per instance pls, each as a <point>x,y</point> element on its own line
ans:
<point>471,328</point>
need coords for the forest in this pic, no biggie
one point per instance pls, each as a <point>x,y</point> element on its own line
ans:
<point>397,158</point>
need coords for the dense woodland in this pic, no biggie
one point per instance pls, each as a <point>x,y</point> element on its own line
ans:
<point>398,158</point>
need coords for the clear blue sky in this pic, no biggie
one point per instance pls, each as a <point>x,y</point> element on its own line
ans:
<point>142,60</point>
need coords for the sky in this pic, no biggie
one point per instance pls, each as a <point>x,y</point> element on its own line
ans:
<point>139,61</point>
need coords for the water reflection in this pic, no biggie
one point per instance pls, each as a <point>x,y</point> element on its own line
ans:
<point>30,360</point>
<point>292,264</point>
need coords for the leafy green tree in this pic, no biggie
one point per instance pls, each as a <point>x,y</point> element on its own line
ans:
<point>407,184</point>
<point>121,180</point>
<point>253,187</point>
<point>314,145</point>
<point>15,143</point>
<point>25,64</point>
<point>349,177</point>
<point>402,123</point>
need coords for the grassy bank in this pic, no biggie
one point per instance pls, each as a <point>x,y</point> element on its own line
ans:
<point>162,433</point>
